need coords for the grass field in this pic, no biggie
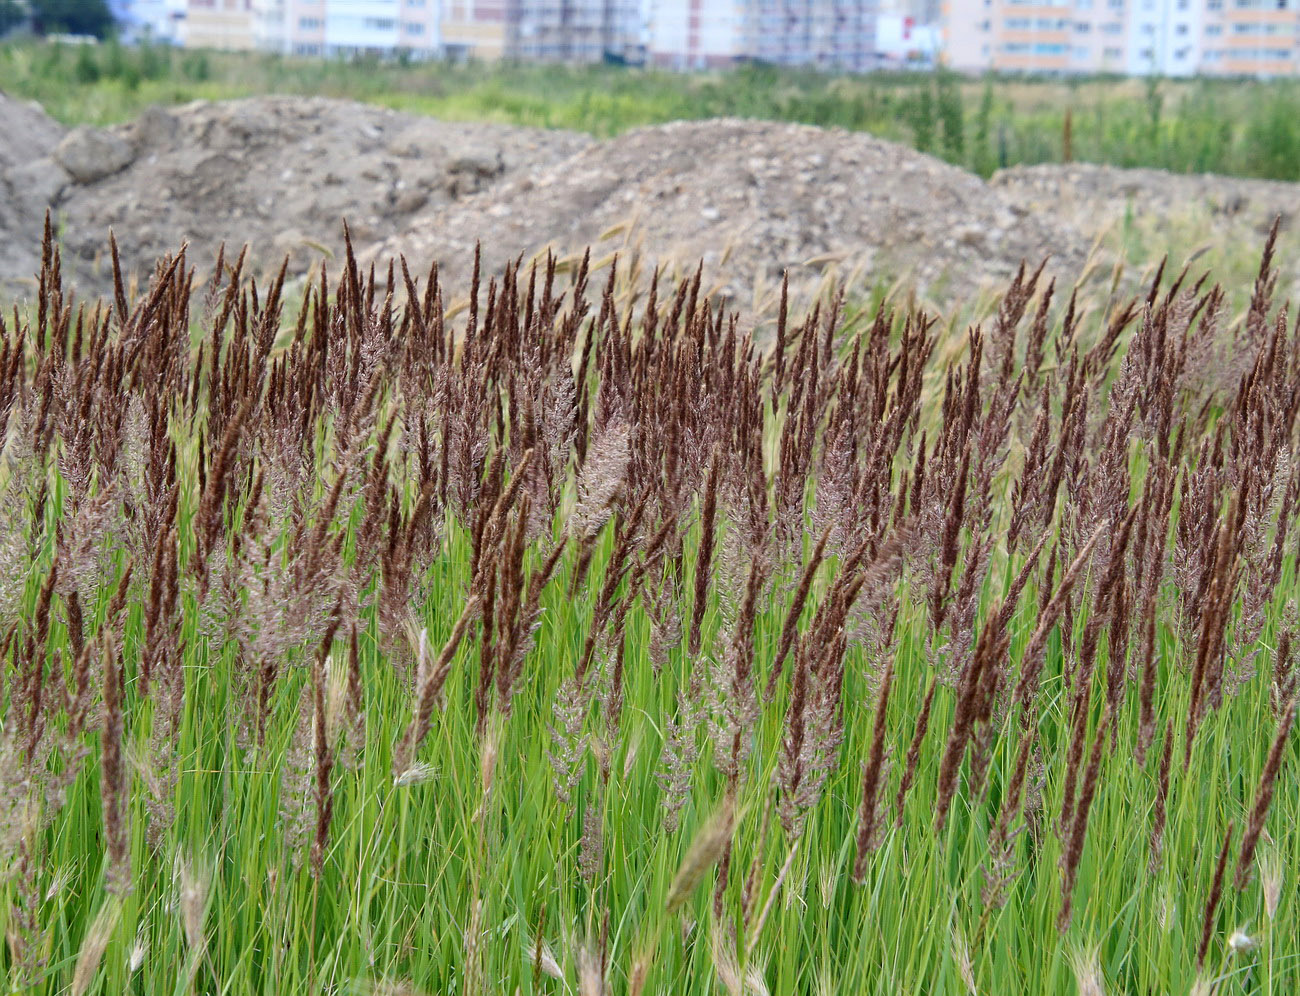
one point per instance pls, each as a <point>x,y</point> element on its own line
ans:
<point>1237,127</point>
<point>583,645</point>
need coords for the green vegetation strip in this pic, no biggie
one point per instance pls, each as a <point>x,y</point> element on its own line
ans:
<point>1236,127</point>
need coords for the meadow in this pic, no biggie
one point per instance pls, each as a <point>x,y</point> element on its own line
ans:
<point>1236,127</point>
<point>582,642</point>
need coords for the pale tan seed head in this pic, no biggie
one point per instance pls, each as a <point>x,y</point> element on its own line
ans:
<point>192,897</point>
<point>542,955</point>
<point>1270,879</point>
<point>139,951</point>
<point>630,752</point>
<point>961,955</point>
<point>336,697</point>
<point>636,978</point>
<point>725,964</point>
<point>58,882</point>
<point>1087,972</point>
<point>702,854</point>
<point>1241,942</point>
<point>488,758</point>
<point>1165,911</point>
<point>416,774</point>
<point>98,934</point>
<point>590,982</point>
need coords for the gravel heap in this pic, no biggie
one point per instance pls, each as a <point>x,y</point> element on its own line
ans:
<point>1091,197</point>
<point>27,136</point>
<point>279,173</point>
<point>752,199</point>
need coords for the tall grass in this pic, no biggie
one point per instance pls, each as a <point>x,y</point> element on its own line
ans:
<point>587,645</point>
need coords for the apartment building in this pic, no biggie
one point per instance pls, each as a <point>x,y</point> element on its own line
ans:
<point>1137,37</point>
<point>224,24</point>
<point>681,34</point>
<point>352,27</point>
<point>700,34</point>
<point>543,30</point>
<point>828,34</point>
<point>149,20</point>
<point>313,27</point>
<point>1250,37</point>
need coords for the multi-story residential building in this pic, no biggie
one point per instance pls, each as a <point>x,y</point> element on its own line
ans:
<point>829,34</point>
<point>546,30</point>
<point>699,34</point>
<point>902,42</point>
<point>1138,37</point>
<point>1257,37</point>
<point>476,28</point>
<point>314,27</point>
<point>149,20</point>
<point>225,24</point>
<point>684,34</point>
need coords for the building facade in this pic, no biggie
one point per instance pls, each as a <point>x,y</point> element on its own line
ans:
<point>222,24</point>
<point>1135,37</point>
<point>825,34</point>
<point>314,27</point>
<point>160,21</point>
<point>699,34</point>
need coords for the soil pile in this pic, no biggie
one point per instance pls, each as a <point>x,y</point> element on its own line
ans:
<point>278,173</point>
<point>753,199</point>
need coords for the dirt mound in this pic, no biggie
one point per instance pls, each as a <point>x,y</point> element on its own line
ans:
<point>1092,197</point>
<point>1221,221</point>
<point>278,173</point>
<point>27,138</point>
<point>752,199</point>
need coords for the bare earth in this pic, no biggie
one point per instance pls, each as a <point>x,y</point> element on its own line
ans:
<point>751,199</point>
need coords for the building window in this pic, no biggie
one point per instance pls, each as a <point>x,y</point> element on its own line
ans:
<point>414,29</point>
<point>379,23</point>
<point>309,23</point>
<point>1181,29</point>
<point>1213,29</point>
